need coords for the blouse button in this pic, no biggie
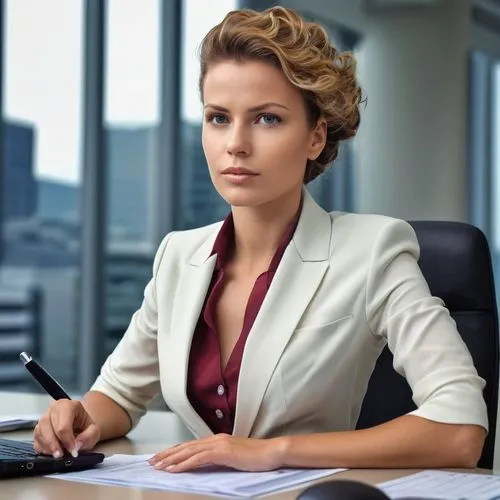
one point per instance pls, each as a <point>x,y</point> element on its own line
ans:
<point>219,414</point>
<point>220,390</point>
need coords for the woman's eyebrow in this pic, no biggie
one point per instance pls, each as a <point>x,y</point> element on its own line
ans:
<point>253,109</point>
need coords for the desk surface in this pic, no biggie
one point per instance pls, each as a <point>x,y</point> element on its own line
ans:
<point>168,430</point>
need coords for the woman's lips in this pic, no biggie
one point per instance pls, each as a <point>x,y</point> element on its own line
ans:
<point>238,171</point>
<point>238,175</point>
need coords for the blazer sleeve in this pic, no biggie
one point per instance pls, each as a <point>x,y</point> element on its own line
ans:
<point>130,375</point>
<point>428,350</point>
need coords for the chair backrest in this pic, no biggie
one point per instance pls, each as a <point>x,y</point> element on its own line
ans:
<point>455,260</point>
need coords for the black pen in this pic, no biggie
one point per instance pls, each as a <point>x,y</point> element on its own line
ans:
<point>51,386</point>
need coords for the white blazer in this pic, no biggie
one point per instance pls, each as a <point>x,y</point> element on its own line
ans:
<point>347,285</point>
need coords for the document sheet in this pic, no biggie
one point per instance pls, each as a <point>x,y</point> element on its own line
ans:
<point>134,471</point>
<point>443,485</point>
<point>15,422</point>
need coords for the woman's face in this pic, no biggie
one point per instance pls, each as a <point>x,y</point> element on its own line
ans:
<point>256,135</point>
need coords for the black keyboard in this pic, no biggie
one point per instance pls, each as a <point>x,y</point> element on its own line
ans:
<point>17,449</point>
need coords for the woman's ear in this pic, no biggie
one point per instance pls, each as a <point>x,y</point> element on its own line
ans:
<point>318,139</point>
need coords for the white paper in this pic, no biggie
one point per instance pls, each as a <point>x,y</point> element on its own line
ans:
<point>13,422</point>
<point>439,485</point>
<point>135,471</point>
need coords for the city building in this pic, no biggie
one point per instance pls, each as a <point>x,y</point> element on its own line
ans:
<point>20,190</point>
<point>131,153</point>
<point>200,202</point>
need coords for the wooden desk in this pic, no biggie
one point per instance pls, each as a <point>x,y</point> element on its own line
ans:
<point>157,430</point>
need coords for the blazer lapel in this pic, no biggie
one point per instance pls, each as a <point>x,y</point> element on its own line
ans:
<point>189,299</point>
<point>297,278</point>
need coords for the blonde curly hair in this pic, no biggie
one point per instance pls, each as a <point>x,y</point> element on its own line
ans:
<point>302,50</point>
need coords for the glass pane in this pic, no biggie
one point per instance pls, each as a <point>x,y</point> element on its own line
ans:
<point>495,166</point>
<point>201,204</point>
<point>479,126</point>
<point>131,122</point>
<point>334,189</point>
<point>41,227</point>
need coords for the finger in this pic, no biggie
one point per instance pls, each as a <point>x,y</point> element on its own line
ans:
<point>202,459</point>
<point>165,454</point>
<point>37,447</point>
<point>62,417</point>
<point>37,443</point>
<point>211,442</point>
<point>180,456</point>
<point>174,449</point>
<point>88,438</point>
<point>46,440</point>
<point>81,418</point>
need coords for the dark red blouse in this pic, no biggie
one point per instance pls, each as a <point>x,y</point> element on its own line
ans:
<point>211,390</point>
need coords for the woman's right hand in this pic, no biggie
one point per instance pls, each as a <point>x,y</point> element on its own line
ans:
<point>66,426</point>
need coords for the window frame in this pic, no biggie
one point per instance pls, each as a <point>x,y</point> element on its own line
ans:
<point>92,336</point>
<point>2,146</point>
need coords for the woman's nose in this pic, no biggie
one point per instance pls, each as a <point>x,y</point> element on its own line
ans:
<point>238,143</point>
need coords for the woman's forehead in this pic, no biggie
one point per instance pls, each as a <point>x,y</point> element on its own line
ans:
<point>253,80</point>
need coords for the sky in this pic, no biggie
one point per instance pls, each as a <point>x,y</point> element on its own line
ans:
<point>44,70</point>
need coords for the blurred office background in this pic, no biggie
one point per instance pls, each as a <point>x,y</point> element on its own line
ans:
<point>100,149</point>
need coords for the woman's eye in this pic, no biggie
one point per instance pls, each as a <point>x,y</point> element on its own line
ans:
<point>217,119</point>
<point>268,119</point>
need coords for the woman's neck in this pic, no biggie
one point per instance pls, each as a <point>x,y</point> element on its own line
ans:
<point>259,231</point>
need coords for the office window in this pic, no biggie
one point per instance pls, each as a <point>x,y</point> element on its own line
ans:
<point>484,150</point>
<point>496,129</point>
<point>200,202</point>
<point>42,79</point>
<point>480,98</point>
<point>131,119</point>
<point>495,165</point>
<point>334,189</point>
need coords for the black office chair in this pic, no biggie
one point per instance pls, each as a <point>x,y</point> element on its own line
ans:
<point>456,262</point>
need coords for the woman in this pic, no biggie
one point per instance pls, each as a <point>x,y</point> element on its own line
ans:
<point>261,333</point>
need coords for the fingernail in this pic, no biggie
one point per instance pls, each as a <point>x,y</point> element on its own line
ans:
<point>159,465</point>
<point>57,454</point>
<point>76,449</point>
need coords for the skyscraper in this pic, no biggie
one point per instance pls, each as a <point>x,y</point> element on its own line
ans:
<point>20,189</point>
<point>200,202</point>
<point>131,163</point>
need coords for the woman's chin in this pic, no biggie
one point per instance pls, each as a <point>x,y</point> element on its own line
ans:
<point>241,197</point>
<point>241,201</point>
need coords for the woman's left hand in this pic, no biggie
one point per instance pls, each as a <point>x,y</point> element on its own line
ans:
<point>247,454</point>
